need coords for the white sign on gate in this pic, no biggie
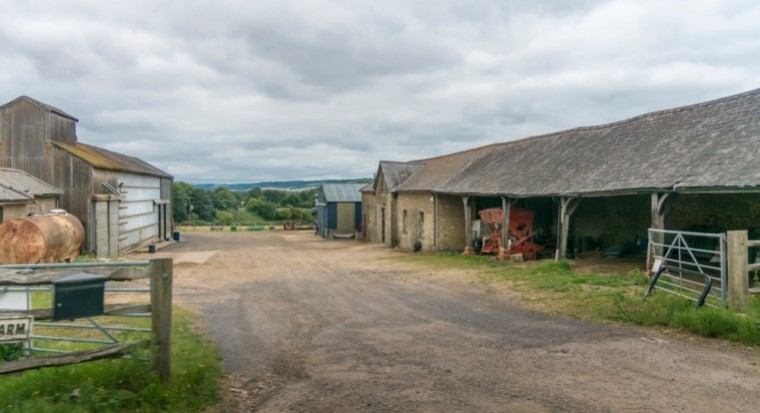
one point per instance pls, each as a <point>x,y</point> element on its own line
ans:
<point>14,300</point>
<point>15,328</point>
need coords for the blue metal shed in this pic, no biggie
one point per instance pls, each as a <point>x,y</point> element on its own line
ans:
<point>339,209</point>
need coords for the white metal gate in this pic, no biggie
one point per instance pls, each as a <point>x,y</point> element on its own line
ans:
<point>688,264</point>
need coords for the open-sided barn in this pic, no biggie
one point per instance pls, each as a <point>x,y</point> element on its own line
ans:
<point>690,168</point>
<point>123,202</point>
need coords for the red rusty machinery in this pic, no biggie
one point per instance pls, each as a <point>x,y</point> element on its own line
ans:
<point>521,232</point>
<point>40,239</point>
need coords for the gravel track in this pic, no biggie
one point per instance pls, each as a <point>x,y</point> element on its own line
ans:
<point>308,325</point>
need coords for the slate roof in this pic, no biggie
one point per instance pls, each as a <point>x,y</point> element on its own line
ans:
<point>394,173</point>
<point>710,145</point>
<point>368,189</point>
<point>342,192</point>
<point>105,159</point>
<point>17,186</point>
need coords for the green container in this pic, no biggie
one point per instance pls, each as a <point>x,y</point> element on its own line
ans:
<point>233,229</point>
<point>78,296</point>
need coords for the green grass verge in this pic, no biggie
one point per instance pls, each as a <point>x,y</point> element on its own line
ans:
<point>123,384</point>
<point>556,288</point>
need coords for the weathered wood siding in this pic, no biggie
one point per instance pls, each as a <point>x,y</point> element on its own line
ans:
<point>27,131</point>
<point>166,194</point>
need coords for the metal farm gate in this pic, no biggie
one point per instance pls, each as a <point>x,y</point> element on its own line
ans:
<point>691,265</point>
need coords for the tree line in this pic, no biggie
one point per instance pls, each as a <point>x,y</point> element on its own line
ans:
<point>223,206</point>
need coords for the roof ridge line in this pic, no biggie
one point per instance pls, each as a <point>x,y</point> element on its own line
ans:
<point>677,109</point>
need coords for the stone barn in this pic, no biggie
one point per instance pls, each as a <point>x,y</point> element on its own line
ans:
<point>339,210</point>
<point>693,168</point>
<point>379,202</point>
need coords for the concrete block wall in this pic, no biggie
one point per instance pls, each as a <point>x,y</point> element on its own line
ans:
<point>416,229</point>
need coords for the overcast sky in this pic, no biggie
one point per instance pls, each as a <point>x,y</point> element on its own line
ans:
<point>242,91</point>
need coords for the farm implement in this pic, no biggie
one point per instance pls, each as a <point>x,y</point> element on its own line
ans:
<point>521,233</point>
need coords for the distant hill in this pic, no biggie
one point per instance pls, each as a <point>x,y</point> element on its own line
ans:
<point>282,185</point>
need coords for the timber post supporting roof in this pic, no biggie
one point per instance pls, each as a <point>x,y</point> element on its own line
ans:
<point>713,145</point>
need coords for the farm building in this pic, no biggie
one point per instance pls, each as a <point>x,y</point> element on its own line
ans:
<point>22,194</point>
<point>379,201</point>
<point>123,202</point>
<point>690,168</point>
<point>339,208</point>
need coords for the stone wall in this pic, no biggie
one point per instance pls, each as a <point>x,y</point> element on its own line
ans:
<point>369,216</point>
<point>379,204</point>
<point>451,227</point>
<point>414,215</point>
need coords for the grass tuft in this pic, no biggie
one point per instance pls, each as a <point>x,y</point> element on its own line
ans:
<point>123,384</point>
<point>555,287</point>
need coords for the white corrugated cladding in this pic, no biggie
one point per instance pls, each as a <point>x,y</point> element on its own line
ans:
<point>138,216</point>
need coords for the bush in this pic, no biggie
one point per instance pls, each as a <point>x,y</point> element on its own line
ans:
<point>10,352</point>
<point>265,209</point>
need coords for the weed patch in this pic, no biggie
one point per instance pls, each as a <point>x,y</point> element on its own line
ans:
<point>123,384</point>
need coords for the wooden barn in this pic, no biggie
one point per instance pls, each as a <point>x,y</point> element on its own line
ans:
<point>123,202</point>
<point>22,194</point>
<point>339,208</point>
<point>692,168</point>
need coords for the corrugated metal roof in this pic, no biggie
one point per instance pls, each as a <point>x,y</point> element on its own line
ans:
<point>342,192</point>
<point>19,186</point>
<point>715,144</point>
<point>45,106</point>
<point>105,159</point>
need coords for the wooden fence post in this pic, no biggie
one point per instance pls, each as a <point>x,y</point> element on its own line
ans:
<point>161,315</point>
<point>738,278</point>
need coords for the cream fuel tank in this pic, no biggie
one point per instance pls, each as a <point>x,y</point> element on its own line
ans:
<point>52,237</point>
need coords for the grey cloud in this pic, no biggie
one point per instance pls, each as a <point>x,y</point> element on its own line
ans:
<point>282,90</point>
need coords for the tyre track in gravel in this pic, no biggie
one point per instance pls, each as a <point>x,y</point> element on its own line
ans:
<point>308,325</point>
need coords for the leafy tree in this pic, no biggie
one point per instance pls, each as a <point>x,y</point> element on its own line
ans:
<point>224,199</point>
<point>284,214</point>
<point>202,206</point>
<point>181,201</point>
<point>291,199</point>
<point>225,217</point>
<point>254,193</point>
<point>273,196</point>
<point>262,208</point>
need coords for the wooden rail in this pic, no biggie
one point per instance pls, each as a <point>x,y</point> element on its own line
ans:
<point>111,351</point>
<point>31,277</point>
<point>159,271</point>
